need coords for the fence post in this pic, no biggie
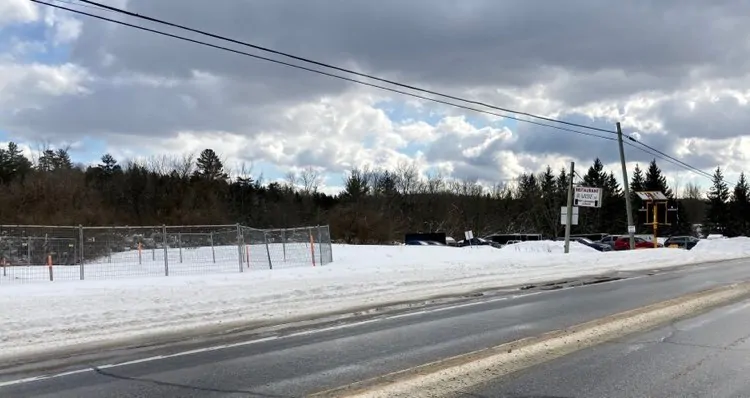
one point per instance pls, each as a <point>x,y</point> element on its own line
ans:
<point>312,245</point>
<point>166,249</point>
<point>213,251</point>
<point>239,246</point>
<point>330,244</point>
<point>28,250</point>
<point>268,252</point>
<point>80,250</point>
<point>49,265</point>
<point>320,245</point>
<point>179,244</point>
<point>283,242</point>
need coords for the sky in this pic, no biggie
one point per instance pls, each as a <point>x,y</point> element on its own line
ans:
<point>676,73</point>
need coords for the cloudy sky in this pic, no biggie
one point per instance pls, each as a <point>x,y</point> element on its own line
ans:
<point>677,73</point>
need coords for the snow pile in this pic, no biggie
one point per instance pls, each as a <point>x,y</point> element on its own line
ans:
<point>42,316</point>
<point>739,246</point>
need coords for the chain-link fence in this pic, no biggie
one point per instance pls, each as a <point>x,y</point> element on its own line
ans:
<point>35,253</point>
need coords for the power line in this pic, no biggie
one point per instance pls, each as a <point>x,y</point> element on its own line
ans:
<point>340,69</point>
<point>675,160</point>
<point>103,7</point>
<point>667,158</point>
<point>74,3</point>
<point>320,72</point>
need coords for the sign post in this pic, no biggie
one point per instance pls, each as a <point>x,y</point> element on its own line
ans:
<point>469,235</point>
<point>569,208</point>
<point>653,199</point>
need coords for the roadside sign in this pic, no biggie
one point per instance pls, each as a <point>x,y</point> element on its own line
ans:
<point>651,195</point>
<point>564,215</point>
<point>631,229</point>
<point>587,197</point>
<point>469,235</point>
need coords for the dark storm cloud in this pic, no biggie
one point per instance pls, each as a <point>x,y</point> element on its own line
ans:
<point>480,42</point>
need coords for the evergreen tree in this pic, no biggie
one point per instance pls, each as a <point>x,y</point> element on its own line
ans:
<point>656,181</point>
<point>550,213</point>
<point>13,165</point>
<point>209,166</point>
<point>740,208</point>
<point>51,160</point>
<point>637,181</point>
<point>593,220</point>
<point>109,166</point>
<point>637,184</point>
<point>717,214</point>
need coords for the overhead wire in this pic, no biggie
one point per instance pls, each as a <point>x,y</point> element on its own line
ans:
<point>103,7</point>
<point>320,72</point>
<point>341,69</point>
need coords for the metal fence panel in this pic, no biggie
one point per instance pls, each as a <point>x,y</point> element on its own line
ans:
<point>42,253</point>
<point>202,250</point>
<point>33,253</point>
<point>123,252</point>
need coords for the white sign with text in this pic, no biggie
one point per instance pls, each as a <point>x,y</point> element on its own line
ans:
<point>587,197</point>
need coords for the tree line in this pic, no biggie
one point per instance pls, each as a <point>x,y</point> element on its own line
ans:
<point>375,206</point>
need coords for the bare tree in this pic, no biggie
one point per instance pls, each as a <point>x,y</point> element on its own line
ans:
<point>290,180</point>
<point>692,191</point>
<point>676,184</point>
<point>407,178</point>
<point>159,164</point>
<point>310,179</point>
<point>242,170</point>
<point>184,165</point>
<point>435,183</point>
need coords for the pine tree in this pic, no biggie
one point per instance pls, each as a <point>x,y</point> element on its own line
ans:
<point>13,164</point>
<point>595,220</point>
<point>51,160</point>
<point>637,184</point>
<point>209,166</point>
<point>740,208</point>
<point>109,166</point>
<point>551,203</point>
<point>717,214</point>
<point>656,181</point>
<point>638,181</point>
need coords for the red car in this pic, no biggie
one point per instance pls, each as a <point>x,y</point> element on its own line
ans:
<point>623,243</point>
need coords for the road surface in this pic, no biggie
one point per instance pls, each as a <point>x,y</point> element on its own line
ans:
<point>706,356</point>
<point>310,361</point>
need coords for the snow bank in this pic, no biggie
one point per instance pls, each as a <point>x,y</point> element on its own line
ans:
<point>41,316</point>
<point>737,246</point>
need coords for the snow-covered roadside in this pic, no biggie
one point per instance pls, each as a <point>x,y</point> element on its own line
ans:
<point>43,316</point>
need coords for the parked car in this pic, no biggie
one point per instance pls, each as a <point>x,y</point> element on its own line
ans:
<point>623,243</point>
<point>475,242</point>
<point>683,242</point>
<point>602,247</point>
<point>609,240</point>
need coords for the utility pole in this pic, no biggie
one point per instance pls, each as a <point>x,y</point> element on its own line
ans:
<point>569,215</point>
<point>626,188</point>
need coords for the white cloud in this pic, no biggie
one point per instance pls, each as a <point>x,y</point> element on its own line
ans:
<point>17,11</point>
<point>686,94</point>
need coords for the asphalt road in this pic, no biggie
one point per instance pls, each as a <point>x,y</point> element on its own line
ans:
<point>302,363</point>
<point>706,356</point>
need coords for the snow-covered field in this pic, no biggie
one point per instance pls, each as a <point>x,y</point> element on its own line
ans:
<point>40,316</point>
<point>186,261</point>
